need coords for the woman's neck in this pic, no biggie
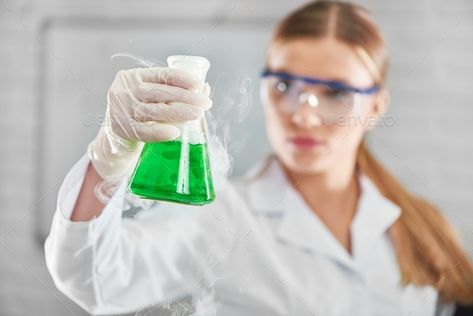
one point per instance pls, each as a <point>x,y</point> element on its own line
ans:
<point>332,196</point>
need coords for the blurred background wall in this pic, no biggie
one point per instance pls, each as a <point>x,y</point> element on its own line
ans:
<point>56,68</point>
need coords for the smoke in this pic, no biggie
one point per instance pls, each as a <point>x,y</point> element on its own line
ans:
<point>224,117</point>
<point>137,60</point>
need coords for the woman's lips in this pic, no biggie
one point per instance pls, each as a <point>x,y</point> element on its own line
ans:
<point>305,142</point>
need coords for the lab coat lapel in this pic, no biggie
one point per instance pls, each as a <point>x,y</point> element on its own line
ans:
<point>271,194</point>
<point>267,188</point>
<point>304,229</point>
<point>375,214</point>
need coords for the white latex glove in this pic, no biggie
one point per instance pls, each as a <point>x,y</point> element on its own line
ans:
<point>140,105</point>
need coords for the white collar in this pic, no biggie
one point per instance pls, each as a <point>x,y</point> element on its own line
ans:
<point>271,194</point>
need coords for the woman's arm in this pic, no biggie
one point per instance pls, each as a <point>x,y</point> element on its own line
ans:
<point>111,264</point>
<point>88,205</point>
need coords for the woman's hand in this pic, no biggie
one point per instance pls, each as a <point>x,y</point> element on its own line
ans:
<point>142,105</point>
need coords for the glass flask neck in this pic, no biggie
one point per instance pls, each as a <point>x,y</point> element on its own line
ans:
<point>197,66</point>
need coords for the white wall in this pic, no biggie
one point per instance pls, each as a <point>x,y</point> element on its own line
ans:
<point>56,52</point>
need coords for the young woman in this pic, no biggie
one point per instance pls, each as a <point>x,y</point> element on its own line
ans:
<point>318,228</point>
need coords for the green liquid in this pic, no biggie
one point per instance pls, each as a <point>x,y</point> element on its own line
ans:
<point>167,172</point>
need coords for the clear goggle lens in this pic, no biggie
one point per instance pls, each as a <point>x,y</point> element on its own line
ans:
<point>332,100</point>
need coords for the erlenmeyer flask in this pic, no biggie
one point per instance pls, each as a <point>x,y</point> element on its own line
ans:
<point>178,170</point>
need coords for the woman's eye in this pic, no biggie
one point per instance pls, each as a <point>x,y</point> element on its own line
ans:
<point>337,93</point>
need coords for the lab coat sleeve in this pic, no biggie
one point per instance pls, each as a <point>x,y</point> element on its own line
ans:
<point>113,265</point>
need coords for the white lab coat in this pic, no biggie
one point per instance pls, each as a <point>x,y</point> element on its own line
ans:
<point>257,250</point>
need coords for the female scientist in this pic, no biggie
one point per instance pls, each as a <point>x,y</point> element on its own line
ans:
<point>318,228</point>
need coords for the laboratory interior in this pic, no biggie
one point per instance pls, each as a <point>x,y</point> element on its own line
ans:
<point>67,69</point>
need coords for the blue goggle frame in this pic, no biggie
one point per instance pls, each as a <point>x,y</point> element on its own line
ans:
<point>331,84</point>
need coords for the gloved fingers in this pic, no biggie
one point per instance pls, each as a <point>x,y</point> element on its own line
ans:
<point>154,131</point>
<point>120,102</point>
<point>118,144</point>
<point>120,114</point>
<point>122,126</point>
<point>142,100</point>
<point>169,76</point>
<point>144,131</point>
<point>162,93</point>
<point>172,112</point>
<point>206,90</point>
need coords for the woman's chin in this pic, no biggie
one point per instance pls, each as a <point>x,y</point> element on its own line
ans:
<point>305,162</point>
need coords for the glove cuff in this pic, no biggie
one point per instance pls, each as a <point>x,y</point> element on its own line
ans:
<point>112,157</point>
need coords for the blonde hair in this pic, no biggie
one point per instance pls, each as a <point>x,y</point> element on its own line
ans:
<point>427,247</point>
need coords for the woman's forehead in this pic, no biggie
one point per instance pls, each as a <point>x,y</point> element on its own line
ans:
<point>323,58</point>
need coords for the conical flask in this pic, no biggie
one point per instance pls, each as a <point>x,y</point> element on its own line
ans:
<point>178,170</point>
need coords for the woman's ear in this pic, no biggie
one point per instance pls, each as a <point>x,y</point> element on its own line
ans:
<point>380,107</point>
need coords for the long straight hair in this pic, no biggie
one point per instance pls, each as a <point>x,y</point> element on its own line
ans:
<point>427,247</point>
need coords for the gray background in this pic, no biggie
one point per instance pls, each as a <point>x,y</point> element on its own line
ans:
<point>56,68</point>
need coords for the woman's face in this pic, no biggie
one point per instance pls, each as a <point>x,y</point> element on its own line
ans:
<point>301,139</point>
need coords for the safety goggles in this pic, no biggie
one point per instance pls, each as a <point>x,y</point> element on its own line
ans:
<point>333,100</point>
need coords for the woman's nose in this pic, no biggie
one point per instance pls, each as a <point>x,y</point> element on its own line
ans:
<point>306,115</point>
